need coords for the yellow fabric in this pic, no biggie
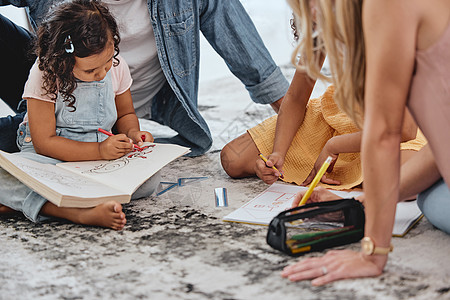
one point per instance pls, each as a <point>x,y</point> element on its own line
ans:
<point>322,121</point>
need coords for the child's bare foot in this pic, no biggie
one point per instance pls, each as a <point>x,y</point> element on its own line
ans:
<point>107,214</point>
<point>6,210</point>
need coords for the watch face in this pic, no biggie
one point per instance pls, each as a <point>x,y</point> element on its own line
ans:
<point>367,246</point>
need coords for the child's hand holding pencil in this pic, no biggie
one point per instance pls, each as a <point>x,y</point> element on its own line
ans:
<point>115,146</point>
<point>139,137</point>
<point>269,169</point>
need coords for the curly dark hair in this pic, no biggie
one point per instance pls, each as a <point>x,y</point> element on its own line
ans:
<point>90,25</point>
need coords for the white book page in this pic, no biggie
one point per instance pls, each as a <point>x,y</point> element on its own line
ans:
<point>277,198</point>
<point>56,179</point>
<point>406,215</point>
<point>130,171</point>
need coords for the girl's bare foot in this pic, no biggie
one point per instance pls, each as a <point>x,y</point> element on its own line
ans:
<point>107,214</point>
<point>6,210</point>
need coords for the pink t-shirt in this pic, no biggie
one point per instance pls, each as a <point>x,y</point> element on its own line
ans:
<point>120,75</point>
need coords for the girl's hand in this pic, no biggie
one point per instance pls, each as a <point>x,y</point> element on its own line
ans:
<point>265,171</point>
<point>320,160</point>
<point>335,265</point>
<point>139,137</point>
<point>319,194</point>
<point>115,146</point>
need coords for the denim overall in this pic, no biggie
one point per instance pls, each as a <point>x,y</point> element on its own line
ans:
<point>95,108</point>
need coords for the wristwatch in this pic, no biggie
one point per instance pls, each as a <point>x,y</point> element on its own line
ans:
<point>368,247</point>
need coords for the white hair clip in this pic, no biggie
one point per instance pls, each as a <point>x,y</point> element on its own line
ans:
<point>68,45</point>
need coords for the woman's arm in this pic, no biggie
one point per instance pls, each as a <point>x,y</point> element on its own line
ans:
<point>390,29</point>
<point>41,120</point>
<point>390,34</point>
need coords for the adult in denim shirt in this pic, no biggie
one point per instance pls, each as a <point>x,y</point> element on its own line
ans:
<point>176,26</point>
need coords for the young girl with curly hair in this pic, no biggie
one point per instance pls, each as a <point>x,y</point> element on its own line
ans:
<point>78,84</point>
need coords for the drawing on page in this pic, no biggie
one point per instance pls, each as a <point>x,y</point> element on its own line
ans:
<point>270,201</point>
<point>75,182</point>
<point>116,164</point>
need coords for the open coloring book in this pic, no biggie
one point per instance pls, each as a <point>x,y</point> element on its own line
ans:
<point>278,197</point>
<point>89,183</point>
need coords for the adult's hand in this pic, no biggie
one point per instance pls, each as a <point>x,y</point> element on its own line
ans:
<point>335,265</point>
<point>319,194</point>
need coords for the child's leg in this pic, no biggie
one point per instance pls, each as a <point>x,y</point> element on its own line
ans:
<point>405,155</point>
<point>148,187</point>
<point>18,197</point>
<point>107,214</point>
<point>15,196</point>
<point>6,210</point>
<point>239,156</point>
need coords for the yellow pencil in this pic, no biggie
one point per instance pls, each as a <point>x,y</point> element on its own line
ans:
<point>273,167</point>
<point>316,180</point>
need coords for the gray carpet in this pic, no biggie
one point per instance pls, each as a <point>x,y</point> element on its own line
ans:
<point>176,246</point>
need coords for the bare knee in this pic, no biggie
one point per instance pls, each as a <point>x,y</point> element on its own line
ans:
<point>238,157</point>
<point>230,161</point>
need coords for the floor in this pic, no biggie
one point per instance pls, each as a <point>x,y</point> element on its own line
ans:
<point>175,246</point>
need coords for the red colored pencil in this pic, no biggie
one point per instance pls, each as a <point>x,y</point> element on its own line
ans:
<point>110,134</point>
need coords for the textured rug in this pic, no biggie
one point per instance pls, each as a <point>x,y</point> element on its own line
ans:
<point>175,246</point>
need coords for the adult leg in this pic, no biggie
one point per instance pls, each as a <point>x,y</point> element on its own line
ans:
<point>8,132</point>
<point>17,60</point>
<point>435,205</point>
<point>231,32</point>
<point>15,46</point>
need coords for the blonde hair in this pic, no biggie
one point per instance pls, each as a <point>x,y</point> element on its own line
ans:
<point>333,28</point>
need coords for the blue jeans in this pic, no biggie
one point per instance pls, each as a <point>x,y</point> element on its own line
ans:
<point>232,34</point>
<point>8,132</point>
<point>16,63</point>
<point>435,205</point>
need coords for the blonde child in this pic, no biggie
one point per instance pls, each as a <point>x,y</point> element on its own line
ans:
<point>305,132</point>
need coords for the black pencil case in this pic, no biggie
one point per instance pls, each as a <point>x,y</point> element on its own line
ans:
<point>317,226</point>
